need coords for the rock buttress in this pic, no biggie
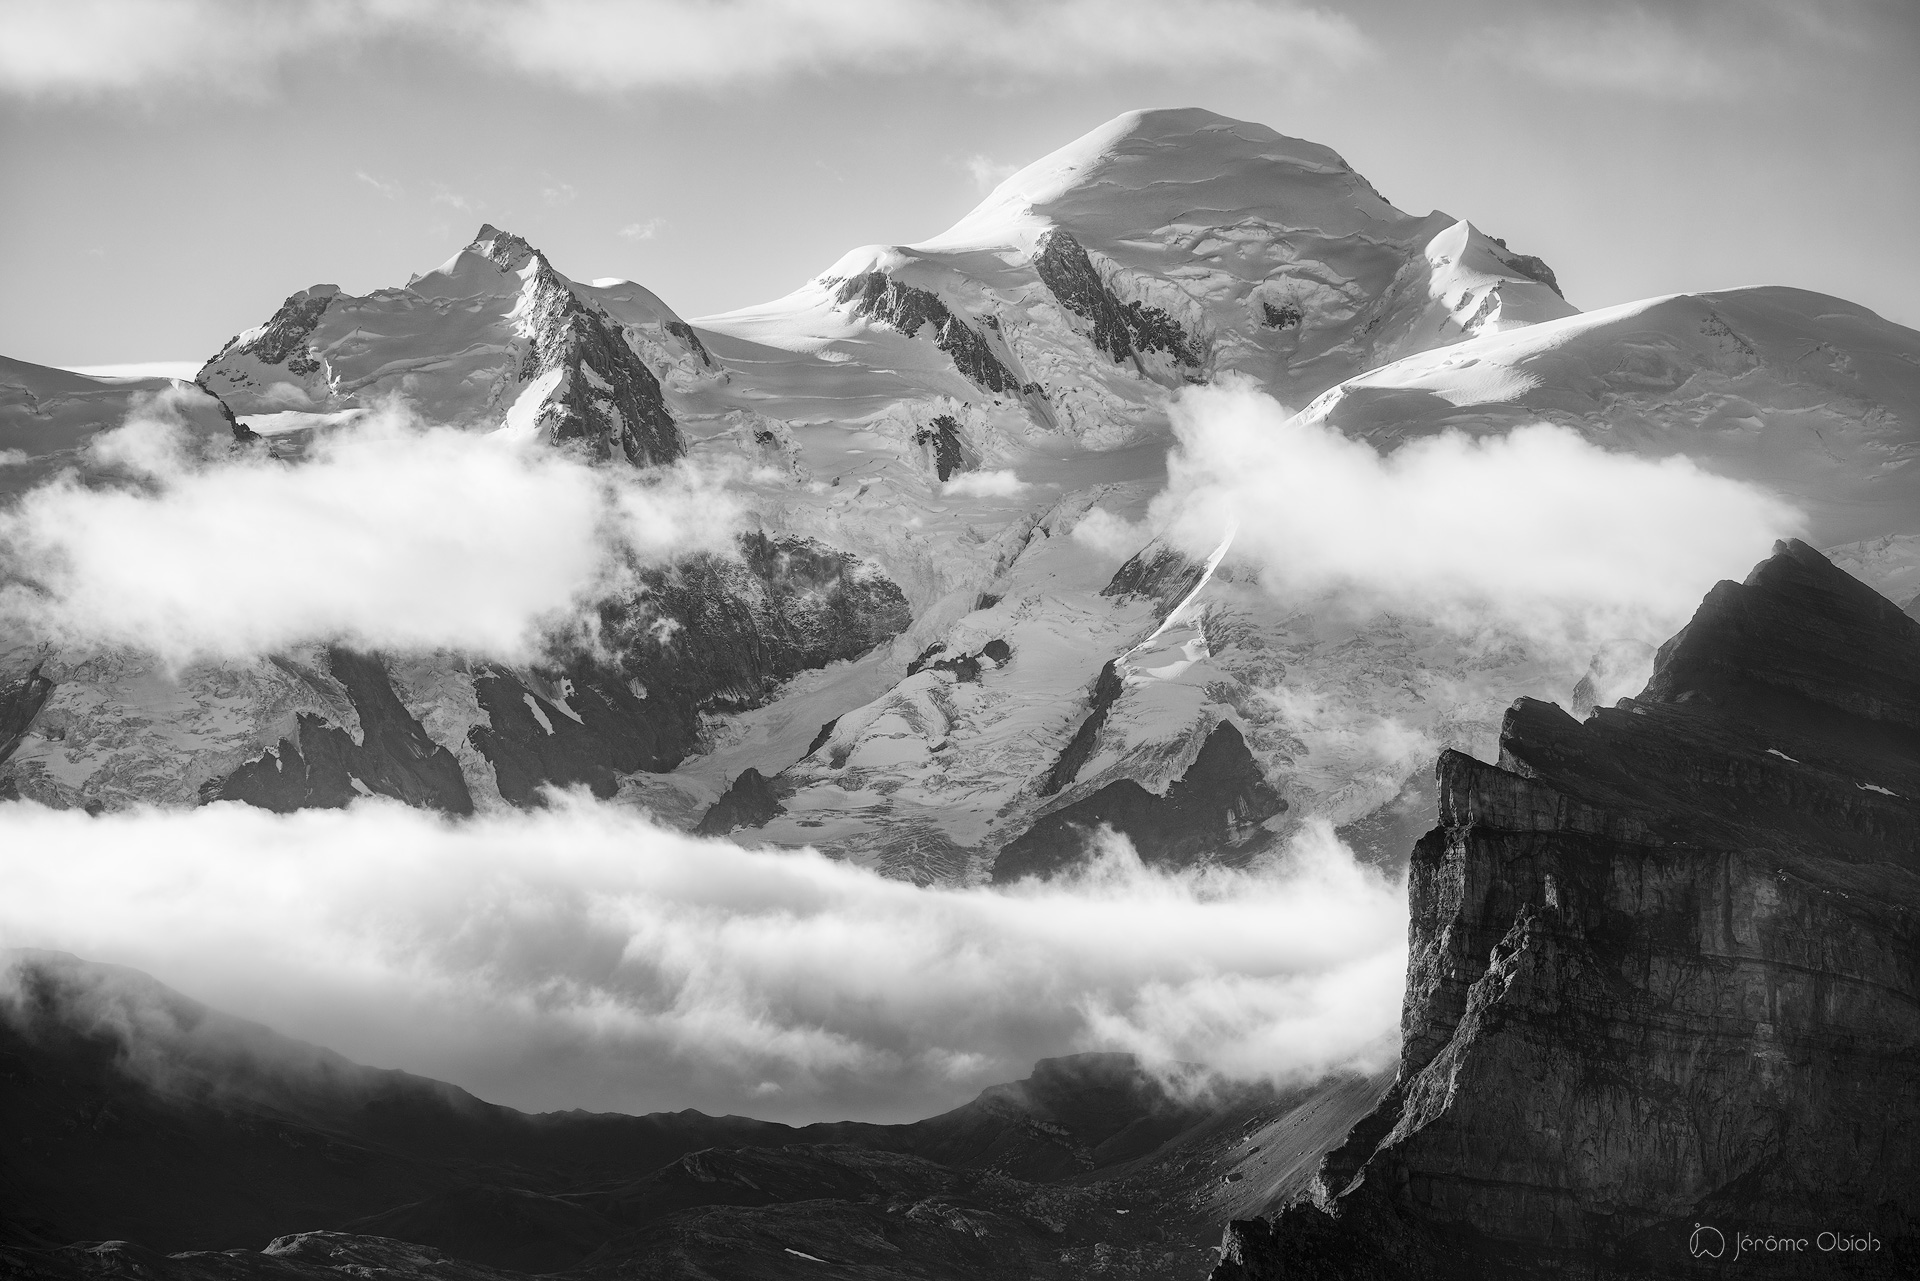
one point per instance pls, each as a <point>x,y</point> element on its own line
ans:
<point>1664,971</point>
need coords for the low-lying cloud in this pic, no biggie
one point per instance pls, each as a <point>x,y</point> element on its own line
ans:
<point>90,47</point>
<point>1538,530</point>
<point>582,956</point>
<point>387,535</point>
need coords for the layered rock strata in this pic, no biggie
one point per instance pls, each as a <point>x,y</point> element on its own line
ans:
<point>1663,994</point>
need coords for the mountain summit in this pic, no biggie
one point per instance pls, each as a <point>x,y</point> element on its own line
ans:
<point>494,335</point>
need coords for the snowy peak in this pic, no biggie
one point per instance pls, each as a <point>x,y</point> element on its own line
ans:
<point>1146,170</point>
<point>1163,247</point>
<point>525,350</point>
<point>502,248</point>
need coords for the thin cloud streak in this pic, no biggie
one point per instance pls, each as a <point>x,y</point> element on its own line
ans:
<point>82,48</point>
<point>1712,51</point>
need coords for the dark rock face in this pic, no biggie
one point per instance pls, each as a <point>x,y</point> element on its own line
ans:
<point>729,630</point>
<point>1215,806</point>
<point>966,668</point>
<point>607,730</point>
<point>317,767</point>
<point>1121,330</point>
<point>1664,971</point>
<point>1532,268</point>
<point>941,439</point>
<point>607,399</point>
<point>242,434</point>
<point>284,339</point>
<point>21,701</point>
<point>714,633</point>
<point>820,738</point>
<point>909,309</point>
<point>1106,691</point>
<point>1157,572</point>
<point>687,334</point>
<point>750,802</point>
<point>1285,316</point>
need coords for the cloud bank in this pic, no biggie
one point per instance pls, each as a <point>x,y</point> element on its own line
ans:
<point>1702,51</point>
<point>387,535</point>
<point>92,47</point>
<point>582,956</point>
<point>1538,530</point>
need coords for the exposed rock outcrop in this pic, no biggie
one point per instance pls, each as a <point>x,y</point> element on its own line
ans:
<point>1157,572</point>
<point>1073,757</point>
<point>537,350</point>
<point>606,398</point>
<point>320,766</point>
<point>1214,807</point>
<point>1664,972</point>
<point>1122,330</point>
<point>1528,265</point>
<point>909,309</point>
<point>941,439</point>
<point>713,633</point>
<point>21,701</point>
<point>750,802</point>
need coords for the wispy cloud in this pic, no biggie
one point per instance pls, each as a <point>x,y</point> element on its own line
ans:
<point>559,193</point>
<point>388,187</point>
<point>455,200</point>
<point>986,172</point>
<point>1714,49</point>
<point>986,484</point>
<point>647,230</point>
<point>91,47</point>
<point>583,957</point>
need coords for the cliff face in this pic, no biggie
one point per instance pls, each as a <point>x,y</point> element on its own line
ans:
<point>321,767</point>
<point>1664,972</point>
<point>1216,806</point>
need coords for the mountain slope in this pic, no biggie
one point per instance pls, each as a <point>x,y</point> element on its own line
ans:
<point>1807,395</point>
<point>48,417</point>
<point>138,1115</point>
<point>1161,247</point>
<point>930,432</point>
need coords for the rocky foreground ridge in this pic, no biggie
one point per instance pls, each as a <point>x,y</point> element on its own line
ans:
<point>148,1136</point>
<point>1664,979</point>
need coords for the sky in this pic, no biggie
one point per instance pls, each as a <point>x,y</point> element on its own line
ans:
<point>177,167</point>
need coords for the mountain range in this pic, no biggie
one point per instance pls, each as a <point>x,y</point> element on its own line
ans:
<point>914,657</point>
<point>1662,974</point>
<point>1661,949</point>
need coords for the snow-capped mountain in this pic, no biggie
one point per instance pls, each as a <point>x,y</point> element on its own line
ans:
<point>912,660</point>
<point>494,337</point>
<point>48,417</point>
<point>1808,394</point>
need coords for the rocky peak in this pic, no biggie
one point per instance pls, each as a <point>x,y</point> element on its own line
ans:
<point>1799,628</point>
<point>502,248</point>
<point>1662,970</point>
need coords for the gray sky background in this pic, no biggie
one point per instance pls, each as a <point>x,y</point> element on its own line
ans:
<point>174,168</point>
